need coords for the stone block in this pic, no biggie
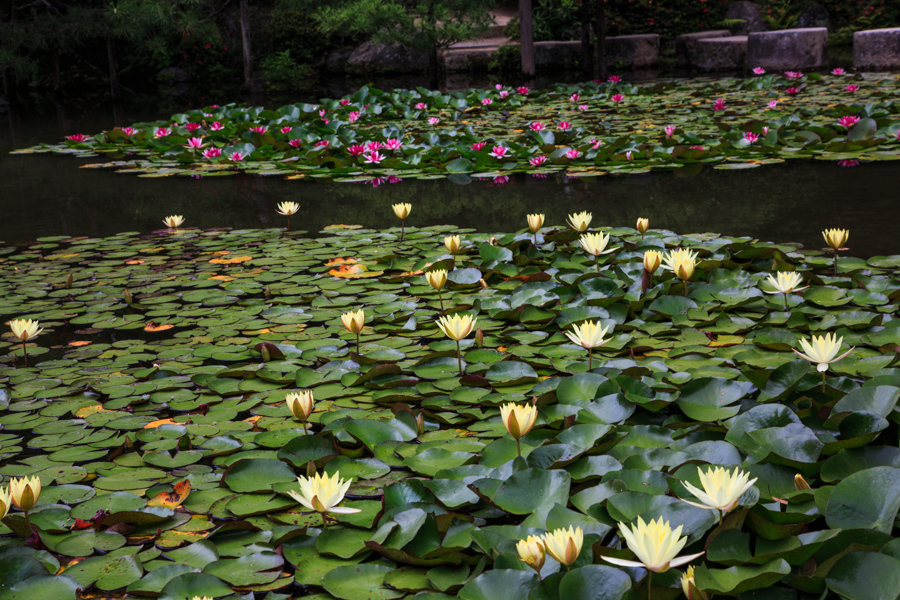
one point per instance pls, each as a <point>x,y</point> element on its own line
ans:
<point>386,58</point>
<point>686,44</point>
<point>748,12</point>
<point>788,49</point>
<point>634,51</point>
<point>722,54</point>
<point>556,54</point>
<point>877,49</point>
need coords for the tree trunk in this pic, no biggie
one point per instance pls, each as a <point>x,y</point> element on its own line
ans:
<point>600,29</point>
<point>113,74</point>
<point>587,54</point>
<point>526,42</point>
<point>245,41</point>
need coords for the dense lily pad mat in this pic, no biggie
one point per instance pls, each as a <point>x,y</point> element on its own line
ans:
<point>153,412</point>
<point>591,128</point>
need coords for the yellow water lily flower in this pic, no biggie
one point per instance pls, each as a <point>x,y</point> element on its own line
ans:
<point>322,494</point>
<point>437,278</point>
<point>596,243</point>
<point>642,225</point>
<point>721,488</point>
<point>785,282</point>
<point>535,222</point>
<point>677,256</point>
<point>452,243</point>
<point>655,545</point>
<point>174,221</point>
<point>301,405</point>
<point>402,210</point>
<point>564,545</point>
<point>652,260</point>
<point>518,418</point>
<point>580,221</point>
<point>822,349</point>
<point>689,587</point>
<point>5,502</point>
<point>354,320</point>
<point>25,329</point>
<point>836,238</point>
<point>25,492</point>
<point>456,326</point>
<point>532,552</point>
<point>287,208</point>
<point>590,335</point>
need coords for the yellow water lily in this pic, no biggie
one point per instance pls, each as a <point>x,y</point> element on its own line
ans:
<point>655,544</point>
<point>402,211</point>
<point>689,586</point>
<point>652,260</point>
<point>457,327</point>
<point>532,552</point>
<point>25,492</point>
<point>596,244</point>
<point>353,322</point>
<point>682,263</point>
<point>25,330</point>
<point>287,209</point>
<point>822,350</point>
<point>642,226</point>
<point>580,221</point>
<point>452,243</point>
<point>301,405</point>
<point>437,279</point>
<point>535,222</point>
<point>785,282</point>
<point>590,335</point>
<point>564,545</point>
<point>721,488</point>
<point>174,221</point>
<point>518,420</point>
<point>5,502</point>
<point>322,494</point>
<point>836,238</point>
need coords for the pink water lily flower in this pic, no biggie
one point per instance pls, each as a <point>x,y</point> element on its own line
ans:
<point>574,98</point>
<point>538,175</point>
<point>501,179</point>
<point>377,181</point>
<point>765,130</point>
<point>212,153</point>
<point>793,74</point>
<point>236,156</point>
<point>478,146</point>
<point>326,121</point>
<point>295,143</point>
<point>498,86</point>
<point>129,131</point>
<point>792,91</point>
<point>192,126</point>
<point>393,179</point>
<point>498,151</point>
<point>773,104</point>
<point>750,136</point>
<point>356,149</point>
<point>897,135</point>
<point>504,94</point>
<point>216,126</point>
<point>78,137</point>
<point>759,71</point>
<point>344,102</point>
<point>486,101</point>
<point>583,107</point>
<point>848,120</point>
<point>852,88</point>
<point>433,121</point>
<point>629,155</point>
<point>838,71</point>
<point>260,129</point>
<point>353,116</point>
<point>393,144</point>
<point>617,98</point>
<point>195,143</point>
<point>523,90</point>
<point>287,129</point>
<point>696,148</point>
<point>596,143</point>
<point>719,104</point>
<point>322,144</point>
<point>214,106</point>
<point>162,132</point>
<point>565,125</point>
<point>670,130</point>
<point>848,163</point>
<point>573,153</point>
<point>614,79</point>
<point>373,146</point>
<point>421,106</point>
<point>373,158</point>
<point>323,112</point>
<point>537,161</point>
<point>536,126</point>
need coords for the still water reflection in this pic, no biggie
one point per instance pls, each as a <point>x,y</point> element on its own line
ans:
<point>44,195</point>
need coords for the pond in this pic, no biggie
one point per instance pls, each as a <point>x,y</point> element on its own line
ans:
<point>793,201</point>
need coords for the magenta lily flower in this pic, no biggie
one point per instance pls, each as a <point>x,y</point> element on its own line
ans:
<point>617,98</point>
<point>719,104</point>
<point>537,161</point>
<point>373,158</point>
<point>629,155</point>
<point>393,144</point>
<point>129,131</point>
<point>573,153</point>
<point>323,112</point>
<point>852,88</point>
<point>216,126</point>
<point>295,143</point>
<point>838,71</point>
<point>765,130</point>
<point>78,137</point>
<point>478,146</point>
<point>236,156</point>
<point>193,126</point>
<point>614,79</point>
<point>523,90</point>
<point>565,125</point>
<point>759,71</point>
<point>793,74</point>
<point>486,101</point>
<point>750,136</point>
<point>421,106</point>
<point>212,153</point>
<point>670,130</point>
<point>848,120</point>
<point>322,144</point>
<point>393,179</point>
<point>356,149</point>
<point>501,179</point>
<point>260,129</point>
<point>498,151</point>
<point>194,143</point>
<point>504,94</point>
<point>287,129</point>
<point>344,102</point>
<point>498,86</point>
<point>162,132</point>
<point>792,91</point>
<point>433,121</point>
<point>536,126</point>
<point>353,116</point>
<point>373,146</point>
<point>583,107</point>
<point>773,104</point>
<point>848,163</point>
<point>574,98</point>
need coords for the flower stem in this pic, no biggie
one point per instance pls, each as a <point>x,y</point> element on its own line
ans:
<point>590,358</point>
<point>357,342</point>
<point>28,523</point>
<point>519,453</point>
<point>685,288</point>
<point>324,522</point>
<point>305,432</point>
<point>441,298</point>
<point>535,245</point>
<point>289,223</point>
<point>785,302</point>
<point>835,263</point>
<point>649,583</point>
<point>402,229</point>
<point>598,264</point>
<point>823,382</point>
<point>459,358</point>
<point>25,352</point>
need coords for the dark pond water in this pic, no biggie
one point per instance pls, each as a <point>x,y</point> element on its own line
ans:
<point>44,195</point>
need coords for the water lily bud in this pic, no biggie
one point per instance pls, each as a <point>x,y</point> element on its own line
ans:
<point>642,225</point>
<point>535,222</point>
<point>580,221</point>
<point>420,423</point>
<point>652,260</point>
<point>691,592</point>
<point>69,281</point>
<point>300,404</point>
<point>128,299</point>
<point>402,210</point>
<point>836,238</point>
<point>532,552</point>
<point>354,320</point>
<point>493,241</point>
<point>25,492</point>
<point>5,502</point>
<point>564,544</point>
<point>437,278</point>
<point>483,284</point>
<point>268,293</point>
<point>310,469</point>
<point>452,243</point>
<point>479,338</point>
<point>518,419</point>
<point>800,483</point>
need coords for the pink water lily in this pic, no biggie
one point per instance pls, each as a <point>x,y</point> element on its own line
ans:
<point>719,104</point>
<point>574,98</point>
<point>565,125</point>
<point>583,107</point>
<point>78,137</point>
<point>897,135</point>
<point>792,91</point>
<point>322,144</point>
<point>793,74</point>
<point>848,120</point>
<point>852,88</point>
<point>498,86</point>
<point>617,98</point>
<point>393,144</point>
<point>162,132</point>
<point>377,181</point>
<point>212,153</point>
<point>216,126</point>
<point>751,137</point>
<point>848,163</point>
<point>129,131</point>
<point>433,121</point>
<point>501,179</point>
<point>195,143</point>
<point>323,112</point>
<point>596,143</point>
<point>696,148</point>
<point>260,129</point>
<point>236,156</point>
<point>344,102</point>
<point>629,155</point>
<point>759,71</point>
<point>536,126</point>
<point>504,94</point>
<point>421,106</point>
<point>353,116</point>
<point>393,179</point>
<point>773,104</point>
<point>192,126</point>
<point>373,158</point>
<point>523,90</point>
<point>537,161</point>
<point>214,106</point>
<point>356,149</point>
<point>295,143</point>
<point>486,101</point>
<point>478,146</point>
<point>573,153</point>
<point>373,146</point>
<point>498,151</point>
<point>287,129</point>
<point>837,71</point>
<point>670,130</point>
<point>614,79</point>
<point>326,121</point>
<point>765,130</point>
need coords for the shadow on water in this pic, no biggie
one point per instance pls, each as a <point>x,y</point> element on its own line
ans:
<point>46,195</point>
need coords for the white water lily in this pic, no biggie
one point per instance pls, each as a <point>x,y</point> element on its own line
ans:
<point>589,334</point>
<point>518,418</point>
<point>655,544</point>
<point>580,221</point>
<point>25,329</point>
<point>564,545</point>
<point>822,350</point>
<point>322,494</point>
<point>721,488</point>
<point>785,282</point>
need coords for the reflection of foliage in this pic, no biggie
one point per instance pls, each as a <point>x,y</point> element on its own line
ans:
<point>283,74</point>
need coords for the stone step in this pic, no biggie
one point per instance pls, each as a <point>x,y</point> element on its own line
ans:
<point>686,44</point>
<point>877,49</point>
<point>788,49</point>
<point>721,54</point>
